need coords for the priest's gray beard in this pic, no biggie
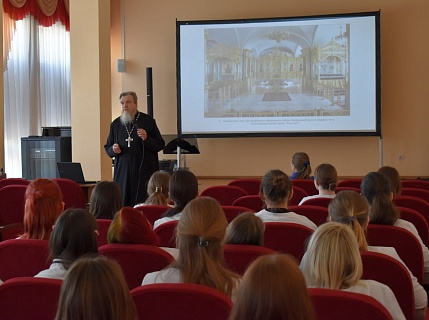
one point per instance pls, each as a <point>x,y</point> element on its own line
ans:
<point>126,118</point>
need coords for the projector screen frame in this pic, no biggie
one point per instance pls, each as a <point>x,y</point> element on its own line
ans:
<point>375,131</point>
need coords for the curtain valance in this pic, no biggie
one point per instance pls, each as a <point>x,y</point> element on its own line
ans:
<point>47,12</point>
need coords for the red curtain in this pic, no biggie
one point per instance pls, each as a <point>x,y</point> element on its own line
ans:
<point>47,12</point>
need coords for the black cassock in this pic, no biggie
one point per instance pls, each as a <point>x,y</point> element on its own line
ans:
<point>138,159</point>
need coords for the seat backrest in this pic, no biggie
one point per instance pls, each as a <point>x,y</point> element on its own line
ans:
<point>232,211</point>
<point>23,258</point>
<point>12,203</point>
<point>418,220</point>
<point>339,189</point>
<point>416,184</point>
<point>298,194</point>
<point>185,301</point>
<point>406,244</point>
<point>73,195</point>
<point>418,193</point>
<point>239,256</point>
<point>413,203</point>
<point>336,304</point>
<point>352,182</point>
<point>153,212</point>
<point>287,237</point>
<point>307,185</point>
<point>136,260</point>
<point>167,234</point>
<point>251,186</point>
<point>13,181</point>
<point>29,298</point>
<point>225,195</point>
<point>103,228</point>
<point>316,214</point>
<point>11,231</point>
<point>253,202</point>
<point>321,202</point>
<point>387,270</point>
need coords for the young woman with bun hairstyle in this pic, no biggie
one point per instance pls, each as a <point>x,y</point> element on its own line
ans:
<point>276,191</point>
<point>325,180</point>
<point>43,205</point>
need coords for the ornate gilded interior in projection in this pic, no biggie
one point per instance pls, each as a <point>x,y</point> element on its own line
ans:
<point>277,71</point>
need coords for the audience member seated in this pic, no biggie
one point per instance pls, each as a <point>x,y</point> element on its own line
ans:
<point>394,179</point>
<point>183,188</point>
<point>200,233</point>
<point>74,235</point>
<point>131,226</point>
<point>301,168</point>
<point>333,261</point>
<point>325,180</point>
<point>377,191</point>
<point>273,287</point>
<point>246,228</point>
<point>351,209</point>
<point>158,189</point>
<point>43,205</point>
<point>106,200</point>
<point>95,288</point>
<point>276,191</point>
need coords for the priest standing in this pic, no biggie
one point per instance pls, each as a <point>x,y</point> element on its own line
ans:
<point>134,140</point>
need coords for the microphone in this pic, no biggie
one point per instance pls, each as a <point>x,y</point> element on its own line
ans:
<point>136,125</point>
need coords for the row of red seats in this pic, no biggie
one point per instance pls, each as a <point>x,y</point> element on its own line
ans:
<point>283,237</point>
<point>12,202</point>
<point>24,298</point>
<point>37,298</point>
<point>252,186</point>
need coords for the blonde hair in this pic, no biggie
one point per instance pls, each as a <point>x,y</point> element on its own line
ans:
<point>273,287</point>
<point>200,232</point>
<point>158,188</point>
<point>333,257</point>
<point>95,288</point>
<point>350,208</point>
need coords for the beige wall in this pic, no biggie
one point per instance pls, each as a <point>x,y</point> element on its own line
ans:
<point>90,86</point>
<point>150,41</point>
<point>2,104</point>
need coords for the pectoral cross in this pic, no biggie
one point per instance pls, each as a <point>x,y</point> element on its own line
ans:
<point>129,139</point>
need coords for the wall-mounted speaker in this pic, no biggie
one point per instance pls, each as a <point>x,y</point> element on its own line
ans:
<point>120,65</point>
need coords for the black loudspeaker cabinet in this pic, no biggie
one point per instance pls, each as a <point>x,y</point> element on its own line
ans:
<point>149,89</point>
<point>41,154</point>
